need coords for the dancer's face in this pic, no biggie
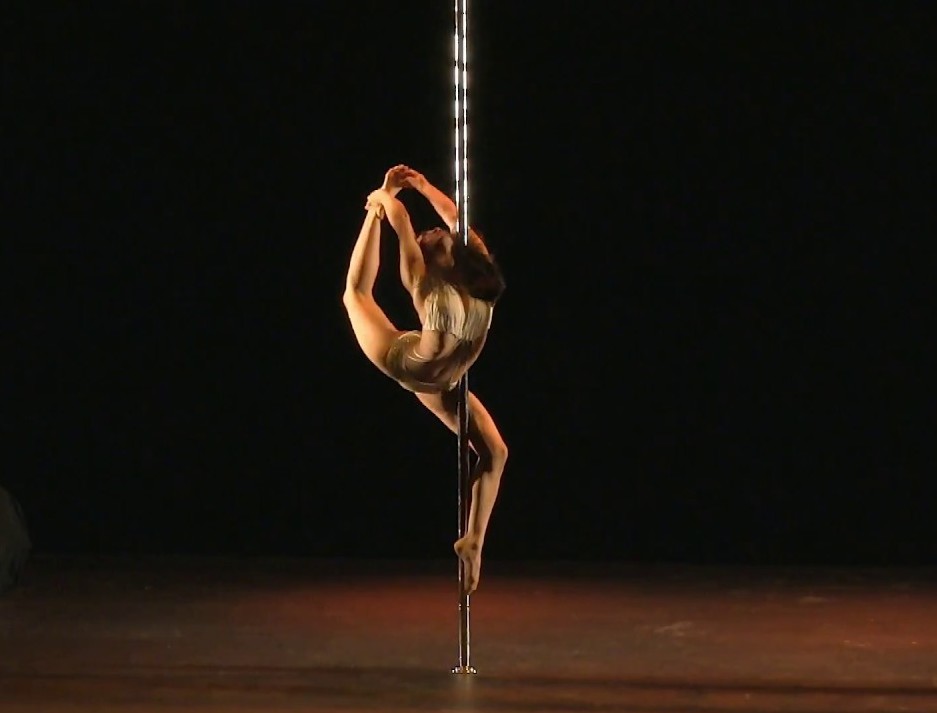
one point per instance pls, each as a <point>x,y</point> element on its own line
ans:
<point>436,245</point>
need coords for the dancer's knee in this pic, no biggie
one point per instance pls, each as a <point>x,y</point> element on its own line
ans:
<point>499,454</point>
<point>493,456</point>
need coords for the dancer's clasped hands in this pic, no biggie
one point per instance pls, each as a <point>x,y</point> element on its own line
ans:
<point>395,179</point>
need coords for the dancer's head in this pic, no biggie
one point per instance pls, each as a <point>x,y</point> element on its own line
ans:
<point>448,258</point>
<point>437,245</point>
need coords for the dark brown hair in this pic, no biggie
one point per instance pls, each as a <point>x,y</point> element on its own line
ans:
<point>477,273</point>
<point>473,271</point>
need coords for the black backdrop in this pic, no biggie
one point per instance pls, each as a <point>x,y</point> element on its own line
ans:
<point>712,218</point>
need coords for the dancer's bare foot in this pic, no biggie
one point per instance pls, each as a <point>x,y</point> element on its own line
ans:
<point>470,554</point>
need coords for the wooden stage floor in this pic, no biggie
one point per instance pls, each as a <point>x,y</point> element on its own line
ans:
<point>229,635</point>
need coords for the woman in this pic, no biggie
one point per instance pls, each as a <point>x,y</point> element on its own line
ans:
<point>454,288</point>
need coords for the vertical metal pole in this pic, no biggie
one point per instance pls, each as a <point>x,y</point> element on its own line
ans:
<point>461,198</point>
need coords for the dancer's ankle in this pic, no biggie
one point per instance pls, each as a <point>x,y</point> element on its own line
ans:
<point>469,542</point>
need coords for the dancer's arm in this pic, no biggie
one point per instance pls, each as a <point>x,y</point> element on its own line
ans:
<point>444,206</point>
<point>412,267</point>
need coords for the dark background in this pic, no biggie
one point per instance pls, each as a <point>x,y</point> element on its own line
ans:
<point>713,219</point>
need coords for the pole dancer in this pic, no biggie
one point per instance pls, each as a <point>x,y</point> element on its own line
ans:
<point>454,287</point>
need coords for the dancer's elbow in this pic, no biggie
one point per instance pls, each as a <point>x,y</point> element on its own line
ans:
<point>350,294</point>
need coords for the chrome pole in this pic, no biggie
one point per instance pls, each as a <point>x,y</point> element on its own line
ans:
<point>460,77</point>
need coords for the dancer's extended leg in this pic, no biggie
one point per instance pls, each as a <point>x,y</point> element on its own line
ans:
<point>373,330</point>
<point>492,454</point>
